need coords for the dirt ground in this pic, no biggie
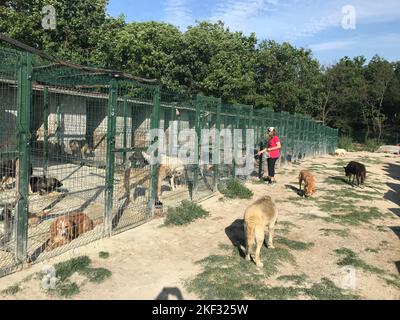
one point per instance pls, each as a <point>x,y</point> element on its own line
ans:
<point>149,258</point>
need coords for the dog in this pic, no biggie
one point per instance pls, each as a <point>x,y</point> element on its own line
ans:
<point>8,170</point>
<point>6,224</point>
<point>309,183</point>
<point>260,214</point>
<point>80,147</point>
<point>169,168</point>
<point>137,160</point>
<point>357,171</point>
<point>340,152</point>
<point>67,228</point>
<point>44,185</point>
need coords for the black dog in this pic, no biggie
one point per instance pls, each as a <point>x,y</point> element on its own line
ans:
<point>356,170</point>
<point>44,185</point>
<point>8,170</point>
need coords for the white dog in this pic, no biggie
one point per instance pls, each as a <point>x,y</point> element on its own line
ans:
<point>340,152</point>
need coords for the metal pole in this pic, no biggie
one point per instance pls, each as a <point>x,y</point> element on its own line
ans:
<point>110,156</point>
<point>218,141</point>
<point>46,131</point>
<point>125,133</point>
<point>155,124</point>
<point>24,109</point>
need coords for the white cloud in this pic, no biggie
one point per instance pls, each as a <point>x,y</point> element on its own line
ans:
<point>331,45</point>
<point>294,19</point>
<point>178,13</point>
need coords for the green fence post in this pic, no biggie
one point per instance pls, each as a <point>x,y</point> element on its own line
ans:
<point>218,142</point>
<point>125,133</point>
<point>196,170</point>
<point>155,124</point>
<point>110,156</point>
<point>235,151</point>
<point>46,130</point>
<point>24,110</point>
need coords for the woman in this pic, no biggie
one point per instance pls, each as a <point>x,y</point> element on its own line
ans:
<point>274,148</point>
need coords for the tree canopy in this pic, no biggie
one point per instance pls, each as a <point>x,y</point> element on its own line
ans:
<point>353,95</point>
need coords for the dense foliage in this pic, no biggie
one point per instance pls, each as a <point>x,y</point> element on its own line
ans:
<point>361,98</point>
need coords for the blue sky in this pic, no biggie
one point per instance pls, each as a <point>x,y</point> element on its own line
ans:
<point>314,24</point>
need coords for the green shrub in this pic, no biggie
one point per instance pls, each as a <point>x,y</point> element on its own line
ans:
<point>346,143</point>
<point>184,214</point>
<point>371,145</point>
<point>235,189</point>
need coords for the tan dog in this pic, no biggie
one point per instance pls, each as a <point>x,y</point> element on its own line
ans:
<point>69,227</point>
<point>309,182</point>
<point>169,167</point>
<point>260,214</point>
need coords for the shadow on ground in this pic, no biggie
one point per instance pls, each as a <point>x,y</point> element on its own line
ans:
<point>393,195</point>
<point>235,233</point>
<point>167,292</point>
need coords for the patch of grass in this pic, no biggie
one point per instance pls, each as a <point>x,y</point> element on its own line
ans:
<point>230,276</point>
<point>344,233</point>
<point>104,255</point>
<point>80,265</point>
<point>12,290</point>
<point>350,258</point>
<point>372,250</point>
<point>297,279</point>
<point>327,290</point>
<point>65,289</point>
<point>286,225</point>
<point>395,282</point>
<point>346,143</point>
<point>184,214</point>
<point>382,229</point>
<point>384,243</point>
<point>293,244</point>
<point>234,189</point>
<point>310,216</point>
<point>371,145</point>
<point>357,216</point>
<point>96,275</point>
<point>258,181</point>
<point>66,269</point>
<point>337,194</point>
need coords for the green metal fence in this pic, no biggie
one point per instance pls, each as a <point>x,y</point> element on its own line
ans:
<point>71,147</point>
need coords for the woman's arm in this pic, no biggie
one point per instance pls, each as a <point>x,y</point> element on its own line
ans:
<point>262,151</point>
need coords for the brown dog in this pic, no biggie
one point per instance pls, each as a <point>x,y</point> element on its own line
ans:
<point>309,182</point>
<point>69,227</point>
<point>260,214</point>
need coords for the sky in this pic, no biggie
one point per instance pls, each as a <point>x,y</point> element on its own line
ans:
<point>332,29</point>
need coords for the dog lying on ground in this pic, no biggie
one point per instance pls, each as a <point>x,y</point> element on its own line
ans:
<point>8,170</point>
<point>44,185</point>
<point>357,171</point>
<point>309,183</point>
<point>340,152</point>
<point>69,227</point>
<point>169,168</point>
<point>260,214</point>
<point>80,147</point>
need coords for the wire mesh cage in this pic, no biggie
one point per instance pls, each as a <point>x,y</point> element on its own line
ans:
<point>77,150</point>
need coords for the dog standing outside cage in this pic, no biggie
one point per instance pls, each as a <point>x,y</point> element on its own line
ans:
<point>272,151</point>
